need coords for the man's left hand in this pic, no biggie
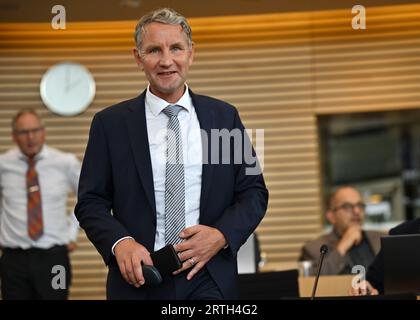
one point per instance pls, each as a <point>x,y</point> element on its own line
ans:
<point>202,244</point>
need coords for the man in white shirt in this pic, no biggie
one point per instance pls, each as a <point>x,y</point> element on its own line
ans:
<point>36,233</point>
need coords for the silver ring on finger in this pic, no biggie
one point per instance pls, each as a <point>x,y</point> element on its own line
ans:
<point>192,262</point>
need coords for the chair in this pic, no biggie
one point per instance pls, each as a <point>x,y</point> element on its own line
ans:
<point>269,285</point>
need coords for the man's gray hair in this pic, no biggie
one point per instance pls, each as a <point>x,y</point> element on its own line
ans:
<point>166,16</point>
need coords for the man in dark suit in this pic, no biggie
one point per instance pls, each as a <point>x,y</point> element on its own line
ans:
<point>154,174</point>
<point>348,243</point>
<point>374,283</point>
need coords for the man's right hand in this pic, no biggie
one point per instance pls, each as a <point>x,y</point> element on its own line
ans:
<point>130,255</point>
<point>352,236</point>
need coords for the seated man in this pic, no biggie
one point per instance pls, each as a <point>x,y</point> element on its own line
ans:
<point>348,244</point>
<point>375,276</point>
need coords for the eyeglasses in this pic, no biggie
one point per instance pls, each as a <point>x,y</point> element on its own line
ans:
<point>28,131</point>
<point>349,207</point>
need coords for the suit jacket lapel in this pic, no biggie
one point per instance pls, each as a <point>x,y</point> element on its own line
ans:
<point>137,133</point>
<point>206,119</point>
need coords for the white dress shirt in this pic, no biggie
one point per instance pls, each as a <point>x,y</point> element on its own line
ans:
<point>157,122</point>
<point>57,173</point>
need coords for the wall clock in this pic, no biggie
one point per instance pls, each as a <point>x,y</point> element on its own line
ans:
<point>67,88</point>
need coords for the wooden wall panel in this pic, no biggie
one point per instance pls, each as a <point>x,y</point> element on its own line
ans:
<point>280,70</point>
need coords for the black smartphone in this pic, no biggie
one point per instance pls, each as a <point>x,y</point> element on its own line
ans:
<point>166,260</point>
<point>152,276</point>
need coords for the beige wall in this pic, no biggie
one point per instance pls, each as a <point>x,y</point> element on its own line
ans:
<point>280,70</point>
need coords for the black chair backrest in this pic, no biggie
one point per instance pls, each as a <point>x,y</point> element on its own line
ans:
<point>269,285</point>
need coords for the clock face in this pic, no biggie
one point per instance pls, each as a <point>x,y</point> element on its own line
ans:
<point>67,88</point>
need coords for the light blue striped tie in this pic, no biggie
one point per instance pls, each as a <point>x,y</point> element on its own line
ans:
<point>174,178</point>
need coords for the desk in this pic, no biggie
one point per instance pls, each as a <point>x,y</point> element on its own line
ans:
<point>338,286</point>
<point>328,286</point>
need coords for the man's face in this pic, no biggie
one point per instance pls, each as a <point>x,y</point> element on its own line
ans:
<point>165,58</point>
<point>29,135</point>
<point>347,209</point>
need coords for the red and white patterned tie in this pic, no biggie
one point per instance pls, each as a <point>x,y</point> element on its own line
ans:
<point>35,223</point>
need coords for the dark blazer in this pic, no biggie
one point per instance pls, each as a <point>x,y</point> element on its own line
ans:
<point>117,177</point>
<point>376,271</point>
<point>334,263</point>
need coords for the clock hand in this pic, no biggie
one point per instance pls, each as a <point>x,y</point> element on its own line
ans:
<point>67,79</point>
<point>73,84</point>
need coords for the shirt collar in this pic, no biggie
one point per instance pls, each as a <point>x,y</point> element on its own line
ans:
<point>41,155</point>
<point>157,104</point>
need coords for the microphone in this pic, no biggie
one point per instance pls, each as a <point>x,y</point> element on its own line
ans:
<point>323,250</point>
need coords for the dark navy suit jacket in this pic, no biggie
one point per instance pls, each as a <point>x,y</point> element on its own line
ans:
<point>116,191</point>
